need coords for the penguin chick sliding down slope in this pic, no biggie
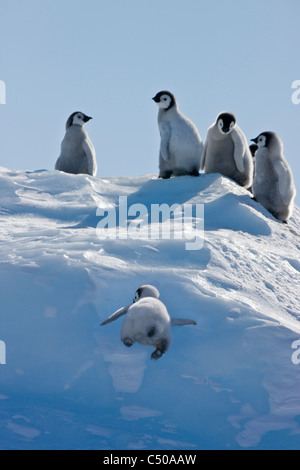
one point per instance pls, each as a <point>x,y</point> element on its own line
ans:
<point>273,185</point>
<point>181,146</point>
<point>147,321</point>
<point>77,152</point>
<point>226,151</point>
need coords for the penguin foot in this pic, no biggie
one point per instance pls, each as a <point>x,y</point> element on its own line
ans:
<point>194,173</point>
<point>163,346</point>
<point>128,342</point>
<point>165,175</point>
<point>156,354</point>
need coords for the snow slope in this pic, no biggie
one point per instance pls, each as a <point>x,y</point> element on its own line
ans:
<point>227,383</point>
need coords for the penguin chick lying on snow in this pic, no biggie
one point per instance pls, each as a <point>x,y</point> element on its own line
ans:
<point>147,321</point>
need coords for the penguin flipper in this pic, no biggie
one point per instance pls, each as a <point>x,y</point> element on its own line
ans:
<point>203,157</point>
<point>239,148</point>
<point>165,134</point>
<point>285,183</point>
<point>182,322</point>
<point>116,315</point>
<point>90,155</point>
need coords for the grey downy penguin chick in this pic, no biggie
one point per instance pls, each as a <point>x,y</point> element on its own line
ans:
<point>77,152</point>
<point>181,146</point>
<point>147,321</point>
<point>273,185</point>
<point>226,151</point>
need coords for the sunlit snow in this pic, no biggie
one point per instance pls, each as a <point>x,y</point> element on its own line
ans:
<point>227,383</point>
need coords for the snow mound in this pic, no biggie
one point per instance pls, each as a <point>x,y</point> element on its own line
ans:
<point>231,382</point>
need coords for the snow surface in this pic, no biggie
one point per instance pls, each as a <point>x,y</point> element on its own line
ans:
<point>227,383</point>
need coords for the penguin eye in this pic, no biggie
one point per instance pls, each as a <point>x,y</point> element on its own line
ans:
<point>261,141</point>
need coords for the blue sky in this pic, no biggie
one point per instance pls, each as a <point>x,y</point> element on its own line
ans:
<point>108,59</point>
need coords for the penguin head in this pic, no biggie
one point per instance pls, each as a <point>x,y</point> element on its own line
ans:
<point>264,139</point>
<point>271,142</point>
<point>165,100</point>
<point>226,122</point>
<point>145,291</point>
<point>77,118</point>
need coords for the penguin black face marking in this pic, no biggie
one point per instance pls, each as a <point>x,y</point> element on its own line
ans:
<point>263,139</point>
<point>137,294</point>
<point>145,291</point>
<point>226,122</point>
<point>253,148</point>
<point>165,100</point>
<point>77,118</point>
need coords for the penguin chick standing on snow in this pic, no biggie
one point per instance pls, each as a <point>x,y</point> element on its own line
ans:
<point>226,151</point>
<point>77,152</point>
<point>181,146</point>
<point>147,321</point>
<point>273,185</point>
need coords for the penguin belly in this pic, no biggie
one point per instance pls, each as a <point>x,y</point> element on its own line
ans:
<point>185,146</point>
<point>220,159</point>
<point>72,158</point>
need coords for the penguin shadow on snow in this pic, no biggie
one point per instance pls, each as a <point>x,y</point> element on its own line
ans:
<point>178,190</point>
<point>238,213</point>
<point>228,211</point>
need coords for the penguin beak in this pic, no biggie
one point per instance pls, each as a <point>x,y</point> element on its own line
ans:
<point>254,140</point>
<point>87,118</point>
<point>155,99</point>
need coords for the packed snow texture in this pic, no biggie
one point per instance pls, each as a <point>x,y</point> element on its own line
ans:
<point>230,382</point>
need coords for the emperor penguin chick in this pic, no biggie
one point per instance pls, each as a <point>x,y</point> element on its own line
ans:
<point>226,151</point>
<point>77,152</point>
<point>147,321</point>
<point>273,185</point>
<point>181,146</point>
